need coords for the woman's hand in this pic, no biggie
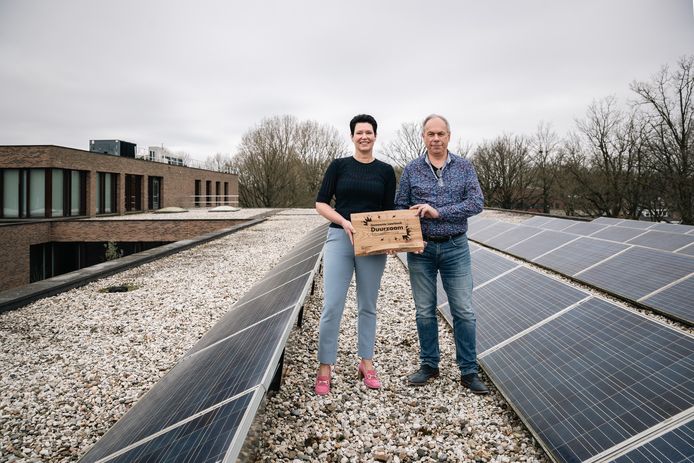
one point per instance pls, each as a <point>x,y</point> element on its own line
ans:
<point>349,229</point>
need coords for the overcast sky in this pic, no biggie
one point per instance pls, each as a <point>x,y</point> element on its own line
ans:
<point>196,75</point>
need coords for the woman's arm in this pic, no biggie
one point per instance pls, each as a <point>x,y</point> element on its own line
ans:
<point>331,214</point>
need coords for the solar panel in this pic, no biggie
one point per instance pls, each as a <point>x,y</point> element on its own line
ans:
<point>558,224</point>
<point>199,382</point>
<point>512,236</point>
<point>676,446</point>
<point>637,272</point>
<point>584,228</point>
<point>536,221</point>
<point>516,301</point>
<point>250,311</point>
<point>676,301</point>
<point>201,409</point>
<point>579,255</point>
<point>539,244</point>
<point>607,220</point>
<point>479,224</point>
<point>662,240</point>
<point>593,377</point>
<point>638,224</point>
<point>487,265</point>
<point>619,234</point>
<point>204,439</point>
<point>492,230</point>
<point>673,227</point>
<point>689,250</point>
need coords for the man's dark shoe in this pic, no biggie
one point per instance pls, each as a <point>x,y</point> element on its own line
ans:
<point>421,376</point>
<point>473,382</point>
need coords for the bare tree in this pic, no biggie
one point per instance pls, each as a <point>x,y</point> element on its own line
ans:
<point>219,162</point>
<point>316,146</point>
<point>607,158</point>
<point>281,161</point>
<point>407,144</point>
<point>503,169</point>
<point>667,98</point>
<point>543,154</point>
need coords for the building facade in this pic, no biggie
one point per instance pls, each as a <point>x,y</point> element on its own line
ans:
<point>46,189</point>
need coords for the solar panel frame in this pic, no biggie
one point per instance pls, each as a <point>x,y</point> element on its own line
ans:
<point>637,272</point>
<point>584,381</point>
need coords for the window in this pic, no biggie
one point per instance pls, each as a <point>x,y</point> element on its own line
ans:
<point>78,192</point>
<point>208,193</point>
<point>133,192</point>
<point>155,198</point>
<point>37,193</point>
<point>57,193</point>
<point>226,192</point>
<point>42,193</point>
<point>106,193</point>
<point>10,192</point>
<point>217,192</point>
<point>198,188</point>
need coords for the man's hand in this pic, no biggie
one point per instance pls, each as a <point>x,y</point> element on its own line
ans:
<point>425,210</point>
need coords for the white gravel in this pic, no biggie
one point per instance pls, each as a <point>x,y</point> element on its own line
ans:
<point>71,365</point>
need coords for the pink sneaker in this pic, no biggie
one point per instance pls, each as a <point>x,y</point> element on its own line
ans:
<point>322,385</point>
<point>370,377</point>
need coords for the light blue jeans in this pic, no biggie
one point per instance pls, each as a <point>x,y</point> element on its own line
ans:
<point>339,263</point>
<point>452,260</point>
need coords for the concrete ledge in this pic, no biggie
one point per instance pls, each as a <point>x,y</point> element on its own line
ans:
<point>23,295</point>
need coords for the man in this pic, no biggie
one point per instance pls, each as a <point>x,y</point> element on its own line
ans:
<point>443,188</point>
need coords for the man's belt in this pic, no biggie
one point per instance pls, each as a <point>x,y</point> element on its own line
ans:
<point>442,239</point>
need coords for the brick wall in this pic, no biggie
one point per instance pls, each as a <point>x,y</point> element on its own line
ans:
<point>178,184</point>
<point>15,239</point>
<point>14,251</point>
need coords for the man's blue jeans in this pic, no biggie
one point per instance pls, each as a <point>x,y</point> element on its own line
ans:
<point>452,260</point>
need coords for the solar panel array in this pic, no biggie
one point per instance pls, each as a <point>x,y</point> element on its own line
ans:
<point>202,409</point>
<point>593,381</point>
<point>633,263</point>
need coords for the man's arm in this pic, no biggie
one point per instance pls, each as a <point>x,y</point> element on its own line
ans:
<point>472,201</point>
<point>402,198</point>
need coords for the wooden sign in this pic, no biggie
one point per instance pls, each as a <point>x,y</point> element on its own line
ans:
<point>383,231</point>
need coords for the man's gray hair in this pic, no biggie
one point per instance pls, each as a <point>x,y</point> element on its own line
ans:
<point>436,116</point>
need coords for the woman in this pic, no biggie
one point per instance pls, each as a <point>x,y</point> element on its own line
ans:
<point>360,183</point>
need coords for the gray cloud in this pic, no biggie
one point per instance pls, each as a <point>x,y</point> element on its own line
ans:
<point>195,77</point>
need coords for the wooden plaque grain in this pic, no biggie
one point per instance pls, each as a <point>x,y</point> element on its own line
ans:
<point>384,231</point>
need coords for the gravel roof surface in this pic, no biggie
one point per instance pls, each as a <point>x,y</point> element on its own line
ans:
<point>71,365</point>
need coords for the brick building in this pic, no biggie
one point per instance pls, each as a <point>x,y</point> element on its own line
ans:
<point>49,193</point>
